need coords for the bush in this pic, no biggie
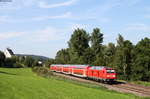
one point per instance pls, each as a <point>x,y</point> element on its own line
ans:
<point>42,71</point>
<point>18,65</point>
<point>9,62</point>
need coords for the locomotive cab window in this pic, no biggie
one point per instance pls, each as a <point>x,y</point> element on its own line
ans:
<point>110,71</point>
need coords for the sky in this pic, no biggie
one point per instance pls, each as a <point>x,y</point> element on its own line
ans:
<point>42,27</point>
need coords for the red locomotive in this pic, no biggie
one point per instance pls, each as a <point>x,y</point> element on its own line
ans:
<point>102,73</point>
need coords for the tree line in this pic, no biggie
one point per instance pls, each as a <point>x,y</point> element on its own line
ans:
<point>131,62</point>
<point>23,61</point>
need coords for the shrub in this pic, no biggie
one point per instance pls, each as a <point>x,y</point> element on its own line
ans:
<point>18,65</point>
<point>9,62</point>
<point>42,71</point>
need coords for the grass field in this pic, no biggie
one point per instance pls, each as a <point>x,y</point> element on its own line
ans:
<point>23,84</point>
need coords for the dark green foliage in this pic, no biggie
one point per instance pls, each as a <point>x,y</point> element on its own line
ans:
<point>28,61</point>
<point>42,71</point>
<point>36,63</point>
<point>88,56</point>
<point>96,40</point>
<point>48,62</point>
<point>141,63</point>
<point>78,44</point>
<point>9,62</point>
<point>24,61</point>
<point>2,59</point>
<point>123,58</point>
<point>18,62</point>
<point>109,54</point>
<point>17,65</point>
<point>62,56</point>
<point>120,40</point>
<point>97,48</point>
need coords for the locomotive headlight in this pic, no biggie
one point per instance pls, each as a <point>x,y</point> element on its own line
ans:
<point>108,76</point>
<point>114,75</point>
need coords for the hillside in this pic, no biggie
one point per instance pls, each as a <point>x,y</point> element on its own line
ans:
<point>34,56</point>
<point>23,84</point>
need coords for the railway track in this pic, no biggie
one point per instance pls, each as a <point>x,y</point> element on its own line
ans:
<point>120,87</point>
<point>132,89</point>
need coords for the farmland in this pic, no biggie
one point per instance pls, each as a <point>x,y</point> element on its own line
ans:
<point>23,84</point>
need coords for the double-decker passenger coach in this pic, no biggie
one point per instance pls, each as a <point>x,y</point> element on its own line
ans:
<point>102,73</point>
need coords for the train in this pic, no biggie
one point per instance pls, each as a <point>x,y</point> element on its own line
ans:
<point>100,73</point>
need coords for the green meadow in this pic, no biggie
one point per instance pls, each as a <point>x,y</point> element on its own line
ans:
<point>24,84</point>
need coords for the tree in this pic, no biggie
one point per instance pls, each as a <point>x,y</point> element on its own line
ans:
<point>123,57</point>
<point>48,62</point>
<point>96,45</point>
<point>127,58</point>
<point>88,56</point>
<point>78,44</point>
<point>62,56</point>
<point>2,59</point>
<point>141,62</point>
<point>28,62</point>
<point>109,54</point>
<point>96,40</point>
<point>9,62</point>
<point>36,63</point>
<point>120,40</point>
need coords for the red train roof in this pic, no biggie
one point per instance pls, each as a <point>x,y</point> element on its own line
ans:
<point>81,66</point>
<point>70,65</point>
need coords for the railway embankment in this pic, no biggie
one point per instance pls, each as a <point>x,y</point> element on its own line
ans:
<point>123,87</point>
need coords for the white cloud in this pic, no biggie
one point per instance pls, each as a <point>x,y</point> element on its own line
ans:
<point>81,26</point>
<point>148,8</point>
<point>138,27</point>
<point>9,35</point>
<point>14,5</point>
<point>107,36</point>
<point>132,2</point>
<point>3,19</point>
<point>18,4</point>
<point>104,20</point>
<point>45,5</point>
<point>147,16</point>
<point>127,2</point>
<point>65,15</point>
<point>29,2</point>
<point>8,19</point>
<point>99,12</point>
<point>7,6</point>
<point>47,34</point>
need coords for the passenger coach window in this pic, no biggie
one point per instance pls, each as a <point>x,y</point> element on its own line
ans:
<point>93,68</point>
<point>97,68</point>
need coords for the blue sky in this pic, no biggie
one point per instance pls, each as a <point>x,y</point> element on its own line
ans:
<point>42,27</point>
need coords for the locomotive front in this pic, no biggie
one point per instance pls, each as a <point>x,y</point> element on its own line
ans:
<point>110,74</point>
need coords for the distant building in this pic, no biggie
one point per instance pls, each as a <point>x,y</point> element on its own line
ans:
<point>8,53</point>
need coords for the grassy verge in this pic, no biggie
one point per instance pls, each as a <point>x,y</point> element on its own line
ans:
<point>141,83</point>
<point>24,84</point>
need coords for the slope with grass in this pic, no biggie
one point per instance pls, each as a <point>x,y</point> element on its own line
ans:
<point>23,84</point>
